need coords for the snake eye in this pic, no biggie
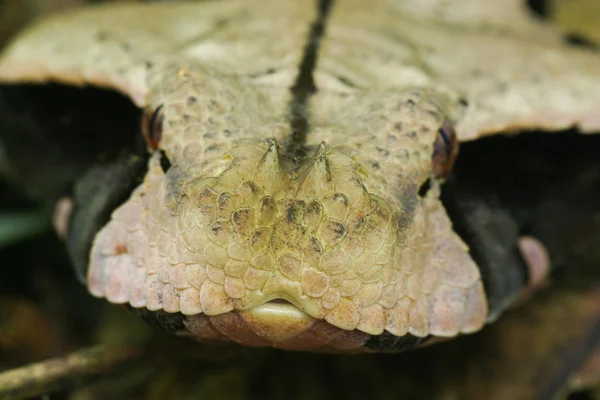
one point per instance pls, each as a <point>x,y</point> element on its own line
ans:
<point>445,150</point>
<point>152,127</point>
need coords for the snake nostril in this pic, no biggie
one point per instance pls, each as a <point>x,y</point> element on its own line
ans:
<point>425,188</point>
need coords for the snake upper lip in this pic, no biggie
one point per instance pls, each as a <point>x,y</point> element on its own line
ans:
<point>278,320</point>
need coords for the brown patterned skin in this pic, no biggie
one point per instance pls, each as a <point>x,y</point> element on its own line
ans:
<point>240,221</point>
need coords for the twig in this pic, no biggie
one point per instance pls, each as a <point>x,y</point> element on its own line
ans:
<point>61,373</point>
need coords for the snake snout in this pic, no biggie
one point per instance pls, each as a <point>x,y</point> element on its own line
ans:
<point>273,253</point>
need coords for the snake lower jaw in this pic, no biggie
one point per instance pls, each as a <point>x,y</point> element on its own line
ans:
<point>277,324</point>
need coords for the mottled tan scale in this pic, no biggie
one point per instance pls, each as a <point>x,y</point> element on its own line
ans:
<point>236,268</point>
<point>215,274</point>
<point>196,275</point>
<point>264,261</point>
<point>314,283</point>
<point>171,299</point>
<point>331,232</point>
<point>345,315</point>
<point>397,321</point>
<point>369,293</point>
<point>244,221</point>
<point>239,251</point>
<point>255,278</point>
<point>342,234</point>
<point>215,254</point>
<point>190,301</point>
<point>137,295</point>
<point>515,72</point>
<point>214,300</point>
<point>117,288</point>
<point>389,295</point>
<point>331,298</point>
<point>335,261</point>
<point>372,320</point>
<point>235,287</point>
<point>178,276</point>
<point>154,293</point>
<point>291,266</point>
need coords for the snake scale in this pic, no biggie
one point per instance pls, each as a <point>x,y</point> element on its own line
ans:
<point>296,156</point>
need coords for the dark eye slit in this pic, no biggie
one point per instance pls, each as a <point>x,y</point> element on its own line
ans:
<point>447,145</point>
<point>155,125</point>
<point>154,117</point>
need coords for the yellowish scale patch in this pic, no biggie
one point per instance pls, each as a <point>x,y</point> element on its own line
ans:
<point>258,229</point>
<point>277,235</point>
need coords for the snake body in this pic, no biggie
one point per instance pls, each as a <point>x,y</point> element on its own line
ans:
<point>292,198</point>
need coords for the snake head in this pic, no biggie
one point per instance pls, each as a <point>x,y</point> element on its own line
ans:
<point>326,251</point>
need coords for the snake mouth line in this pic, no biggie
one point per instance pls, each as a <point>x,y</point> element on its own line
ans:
<point>280,311</point>
<point>279,301</point>
<point>280,324</point>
